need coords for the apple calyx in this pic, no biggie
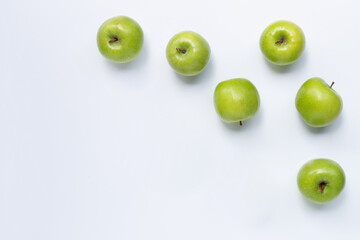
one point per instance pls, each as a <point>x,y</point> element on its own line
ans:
<point>332,84</point>
<point>322,186</point>
<point>114,39</point>
<point>183,51</point>
<point>281,41</point>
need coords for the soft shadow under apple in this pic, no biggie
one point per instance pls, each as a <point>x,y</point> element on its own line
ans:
<point>319,130</point>
<point>288,68</point>
<point>200,78</point>
<point>327,206</point>
<point>247,125</point>
<point>137,63</point>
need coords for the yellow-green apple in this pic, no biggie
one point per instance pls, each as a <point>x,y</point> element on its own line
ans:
<point>188,53</point>
<point>321,180</point>
<point>120,39</point>
<point>318,103</point>
<point>236,100</point>
<point>282,42</point>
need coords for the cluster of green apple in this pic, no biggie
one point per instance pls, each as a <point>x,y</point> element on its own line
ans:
<point>120,39</point>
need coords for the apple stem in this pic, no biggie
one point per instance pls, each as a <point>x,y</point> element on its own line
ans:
<point>281,41</point>
<point>322,186</point>
<point>113,39</point>
<point>332,84</point>
<point>181,50</point>
<point>240,123</point>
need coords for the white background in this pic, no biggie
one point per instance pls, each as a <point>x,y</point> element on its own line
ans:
<point>95,150</point>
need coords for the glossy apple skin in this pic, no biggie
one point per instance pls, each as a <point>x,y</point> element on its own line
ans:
<point>318,104</point>
<point>282,52</point>
<point>318,171</point>
<point>236,100</point>
<point>129,37</point>
<point>196,55</point>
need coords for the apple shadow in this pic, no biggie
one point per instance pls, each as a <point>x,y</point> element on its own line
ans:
<point>320,130</point>
<point>327,206</point>
<point>139,61</point>
<point>247,125</point>
<point>288,68</point>
<point>201,77</point>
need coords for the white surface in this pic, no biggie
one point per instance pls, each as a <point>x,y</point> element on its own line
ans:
<point>92,150</point>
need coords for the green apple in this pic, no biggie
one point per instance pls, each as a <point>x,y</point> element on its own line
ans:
<point>282,42</point>
<point>188,53</point>
<point>321,180</point>
<point>120,39</point>
<point>236,100</point>
<point>318,103</point>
